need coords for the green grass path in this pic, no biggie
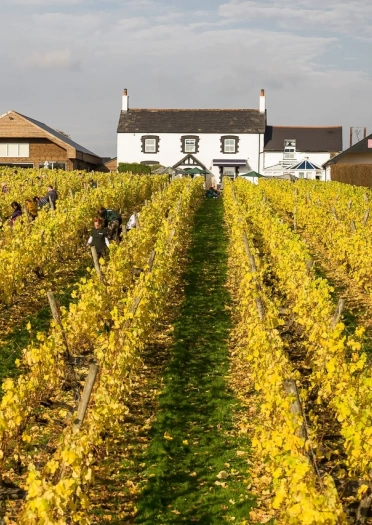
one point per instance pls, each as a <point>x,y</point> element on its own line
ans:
<point>196,407</point>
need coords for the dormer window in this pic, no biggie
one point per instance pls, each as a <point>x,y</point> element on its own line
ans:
<point>289,149</point>
<point>150,144</point>
<point>229,144</point>
<point>190,144</point>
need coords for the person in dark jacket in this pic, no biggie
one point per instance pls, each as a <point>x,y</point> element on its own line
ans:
<point>99,238</point>
<point>52,196</point>
<point>17,212</point>
<point>112,221</point>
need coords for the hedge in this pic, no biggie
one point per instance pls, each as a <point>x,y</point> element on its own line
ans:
<point>133,167</point>
<point>356,174</point>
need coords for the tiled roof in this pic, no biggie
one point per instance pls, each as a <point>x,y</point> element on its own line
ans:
<point>195,121</point>
<point>316,139</point>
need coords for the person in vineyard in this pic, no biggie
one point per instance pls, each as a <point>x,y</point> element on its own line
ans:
<point>4,187</point>
<point>52,196</point>
<point>17,212</point>
<point>41,201</point>
<point>131,222</point>
<point>99,238</point>
<point>112,221</point>
<point>31,207</point>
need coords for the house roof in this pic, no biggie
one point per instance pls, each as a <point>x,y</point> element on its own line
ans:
<point>192,121</point>
<point>58,135</point>
<point>363,146</point>
<point>317,139</point>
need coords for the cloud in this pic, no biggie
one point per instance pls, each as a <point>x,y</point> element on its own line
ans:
<point>43,3</point>
<point>52,60</point>
<point>342,16</point>
<point>170,55</point>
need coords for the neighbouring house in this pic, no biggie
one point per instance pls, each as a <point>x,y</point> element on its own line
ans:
<point>111,164</point>
<point>217,141</point>
<point>300,151</point>
<point>27,143</point>
<point>224,141</point>
<point>354,165</point>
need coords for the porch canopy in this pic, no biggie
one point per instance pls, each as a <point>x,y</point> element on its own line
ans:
<point>231,163</point>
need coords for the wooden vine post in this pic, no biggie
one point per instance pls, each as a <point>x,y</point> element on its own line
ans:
<point>338,313</point>
<point>57,319</point>
<point>291,389</point>
<point>85,397</point>
<point>365,218</point>
<point>54,308</point>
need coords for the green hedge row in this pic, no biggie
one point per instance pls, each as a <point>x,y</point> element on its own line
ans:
<point>133,167</point>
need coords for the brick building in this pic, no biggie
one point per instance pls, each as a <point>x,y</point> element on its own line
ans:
<point>27,143</point>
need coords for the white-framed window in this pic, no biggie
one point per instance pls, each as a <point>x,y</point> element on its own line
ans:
<point>190,145</point>
<point>150,145</point>
<point>14,150</point>
<point>301,175</point>
<point>289,149</point>
<point>229,145</point>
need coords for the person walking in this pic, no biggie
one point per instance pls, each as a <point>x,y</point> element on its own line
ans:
<point>112,221</point>
<point>99,238</point>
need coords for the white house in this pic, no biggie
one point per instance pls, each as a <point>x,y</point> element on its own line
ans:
<point>222,141</point>
<point>300,151</point>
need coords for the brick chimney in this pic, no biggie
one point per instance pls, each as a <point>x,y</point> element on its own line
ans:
<point>125,101</point>
<point>262,101</point>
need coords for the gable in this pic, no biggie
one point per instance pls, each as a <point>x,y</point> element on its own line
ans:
<point>15,125</point>
<point>12,125</point>
<point>190,161</point>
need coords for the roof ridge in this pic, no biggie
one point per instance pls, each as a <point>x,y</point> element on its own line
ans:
<point>303,127</point>
<point>190,109</point>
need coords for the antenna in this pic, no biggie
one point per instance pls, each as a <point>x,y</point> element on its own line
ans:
<point>356,134</point>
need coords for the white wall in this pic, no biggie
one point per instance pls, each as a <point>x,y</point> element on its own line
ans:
<point>170,153</point>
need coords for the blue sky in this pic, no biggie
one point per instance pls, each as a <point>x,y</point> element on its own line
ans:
<point>66,62</point>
